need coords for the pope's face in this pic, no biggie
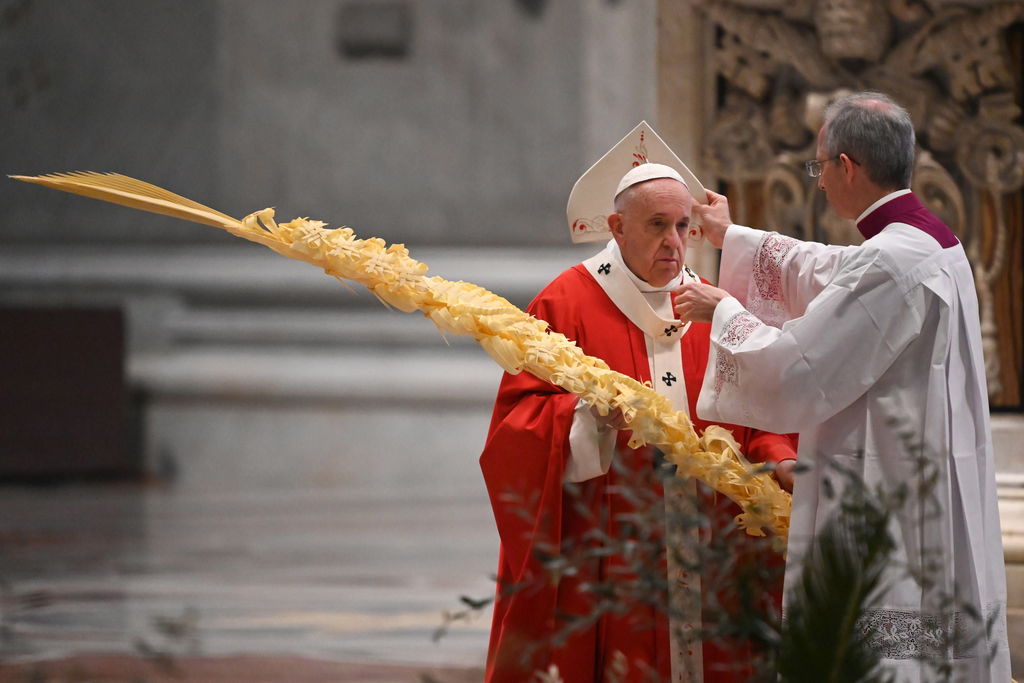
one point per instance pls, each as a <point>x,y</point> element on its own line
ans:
<point>651,228</point>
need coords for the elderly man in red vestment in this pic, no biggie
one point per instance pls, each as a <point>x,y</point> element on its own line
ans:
<point>560,475</point>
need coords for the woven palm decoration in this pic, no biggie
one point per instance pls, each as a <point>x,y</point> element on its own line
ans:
<point>514,339</point>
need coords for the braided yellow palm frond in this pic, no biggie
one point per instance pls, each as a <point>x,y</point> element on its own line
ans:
<point>514,339</point>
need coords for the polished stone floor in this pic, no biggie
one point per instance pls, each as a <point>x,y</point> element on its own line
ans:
<point>347,578</point>
<point>122,582</point>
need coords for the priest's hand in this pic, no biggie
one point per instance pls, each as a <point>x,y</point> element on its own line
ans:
<point>784,474</point>
<point>696,301</point>
<point>714,217</point>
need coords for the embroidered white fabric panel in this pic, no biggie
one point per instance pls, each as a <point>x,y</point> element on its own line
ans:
<point>734,333</point>
<point>764,294</point>
<point>905,634</point>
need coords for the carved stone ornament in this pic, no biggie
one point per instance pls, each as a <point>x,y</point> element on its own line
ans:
<point>781,63</point>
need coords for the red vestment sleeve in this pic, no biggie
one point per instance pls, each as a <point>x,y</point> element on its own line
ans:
<point>523,464</point>
<point>770,447</point>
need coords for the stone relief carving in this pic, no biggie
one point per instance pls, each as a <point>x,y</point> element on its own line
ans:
<point>947,61</point>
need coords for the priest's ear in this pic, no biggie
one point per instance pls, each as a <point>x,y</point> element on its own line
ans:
<point>849,166</point>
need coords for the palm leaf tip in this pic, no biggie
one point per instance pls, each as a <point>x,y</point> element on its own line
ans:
<point>120,189</point>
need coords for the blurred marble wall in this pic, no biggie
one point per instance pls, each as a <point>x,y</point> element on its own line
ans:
<point>440,122</point>
<point>107,85</point>
<point>455,126</point>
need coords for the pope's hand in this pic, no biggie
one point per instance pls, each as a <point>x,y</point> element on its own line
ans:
<point>613,419</point>
<point>784,473</point>
<point>696,301</point>
<point>714,217</point>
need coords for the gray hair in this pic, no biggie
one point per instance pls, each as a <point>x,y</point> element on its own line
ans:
<point>874,131</point>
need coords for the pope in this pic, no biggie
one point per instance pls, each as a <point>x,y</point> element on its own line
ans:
<point>560,475</point>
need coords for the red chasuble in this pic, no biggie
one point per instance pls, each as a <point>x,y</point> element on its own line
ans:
<point>523,464</point>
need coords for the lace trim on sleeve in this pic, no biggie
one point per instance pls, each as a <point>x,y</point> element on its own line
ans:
<point>734,333</point>
<point>904,634</point>
<point>764,298</point>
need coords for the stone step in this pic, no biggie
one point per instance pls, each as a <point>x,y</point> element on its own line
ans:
<point>251,275</point>
<point>334,327</point>
<point>465,376</point>
<point>409,420</point>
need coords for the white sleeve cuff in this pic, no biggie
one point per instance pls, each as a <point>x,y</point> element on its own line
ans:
<point>738,251</point>
<point>740,233</point>
<point>724,311</point>
<point>591,446</point>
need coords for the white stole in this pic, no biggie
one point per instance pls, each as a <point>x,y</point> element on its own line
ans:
<point>662,336</point>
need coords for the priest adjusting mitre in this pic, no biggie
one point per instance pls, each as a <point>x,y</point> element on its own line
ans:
<point>639,157</point>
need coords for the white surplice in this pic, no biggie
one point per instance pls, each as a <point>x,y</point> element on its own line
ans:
<point>873,354</point>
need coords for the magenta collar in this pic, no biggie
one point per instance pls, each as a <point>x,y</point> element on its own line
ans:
<point>907,209</point>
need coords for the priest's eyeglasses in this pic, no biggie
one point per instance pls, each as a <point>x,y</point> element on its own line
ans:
<point>813,166</point>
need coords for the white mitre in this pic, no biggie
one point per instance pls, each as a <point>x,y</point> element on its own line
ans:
<point>641,155</point>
